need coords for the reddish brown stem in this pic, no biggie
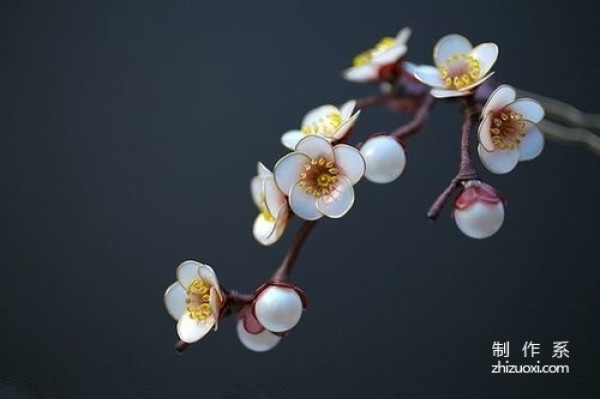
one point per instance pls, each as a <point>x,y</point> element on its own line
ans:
<point>366,102</point>
<point>282,274</point>
<point>417,122</point>
<point>466,170</point>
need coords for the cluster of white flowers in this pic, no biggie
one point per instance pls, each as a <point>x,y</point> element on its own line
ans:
<point>508,131</point>
<point>317,178</point>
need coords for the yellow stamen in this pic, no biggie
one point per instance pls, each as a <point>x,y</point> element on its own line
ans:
<point>198,300</point>
<point>460,71</point>
<point>366,56</point>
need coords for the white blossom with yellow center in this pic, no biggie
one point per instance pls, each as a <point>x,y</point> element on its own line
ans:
<point>319,178</point>
<point>270,223</point>
<point>327,121</point>
<point>366,65</point>
<point>194,300</point>
<point>508,132</point>
<point>458,66</point>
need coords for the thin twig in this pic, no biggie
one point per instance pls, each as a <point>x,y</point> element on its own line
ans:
<point>417,122</point>
<point>282,274</point>
<point>564,111</point>
<point>571,135</point>
<point>466,170</point>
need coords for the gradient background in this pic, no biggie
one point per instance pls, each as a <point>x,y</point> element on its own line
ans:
<point>129,131</point>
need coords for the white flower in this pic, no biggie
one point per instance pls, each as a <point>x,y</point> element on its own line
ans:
<point>385,159</point>
<point>479,210</point>
<point>368,65</point>
<point>508,132</point>
<point>195,300</point>
<point>326,121</point>
<point>254,335</point>
<point>270,223</point>
<point>458,66</point>
<point>319,178</point>
<point>278,307</point>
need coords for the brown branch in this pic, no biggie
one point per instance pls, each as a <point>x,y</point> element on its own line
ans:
<point>366,102</point>
<point>466,170</point>
<point>417,122</point>
<point>282,274</point>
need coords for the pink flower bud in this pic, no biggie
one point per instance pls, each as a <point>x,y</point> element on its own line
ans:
<point>479,210</point>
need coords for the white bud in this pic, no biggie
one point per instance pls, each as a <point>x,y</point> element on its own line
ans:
<point>261,342</point>
<point>385,159</point>
<point>278,309</point>
<point>480,219</point>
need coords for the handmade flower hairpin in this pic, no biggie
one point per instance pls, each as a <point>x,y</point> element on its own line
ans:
<point>316,178</point>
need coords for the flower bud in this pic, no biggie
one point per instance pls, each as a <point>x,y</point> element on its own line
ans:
<point>253,335</point>
<point>479,210</point>
<point>278,308</point>
<point>385,159</point>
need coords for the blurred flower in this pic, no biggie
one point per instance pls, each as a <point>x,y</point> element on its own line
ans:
<point>270,223</point>
<point>319,178</point>
<point>458,66</point>
<point>195,300</point>
<point>278,306</point>
<point>508,132</point>
<point>254,335</point>
<point>375,63</point>
<point>326,121</point>
<point>479,210</point>
<point>385,159</point>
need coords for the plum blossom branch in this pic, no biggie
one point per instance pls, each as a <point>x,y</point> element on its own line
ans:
<point>282,274</point>
<point>317,177</point>
<point>419,119</point>
<point>466,170</point>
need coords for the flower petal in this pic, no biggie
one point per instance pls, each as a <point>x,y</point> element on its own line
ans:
<point>339,202</point>
<point>215,301</point>
<point>429,75</point>
<point>530,109</point>
<point>350,162</point>
<point>500,98</point>
<point>262,170</point>
<point>363,73</point>
<point>315,115</point>
<point>485,132</point>
<point>345,127</point>
<point>444,93</point>
<point>315,147</point>
<point>486,54</point>
<point>279,225</point>
<point>175,300</point>
<point>390,55</point>
<point>190,330</point>
<point>403,35</point>
<point>263,229</point>
<point>290,138</point>
<point>287,170</point>
<point>259,342</point>
<point>187,272</point>
<point>498,161</point>
<point>274,198</point>
<point>347,109</point>
<point>449,45</point>
<point>303,204</point>
<point>532,144</point>
<point>207,274</point>
<point>256,187</point>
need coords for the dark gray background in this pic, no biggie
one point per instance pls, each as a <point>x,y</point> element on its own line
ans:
<point>128,134</point>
